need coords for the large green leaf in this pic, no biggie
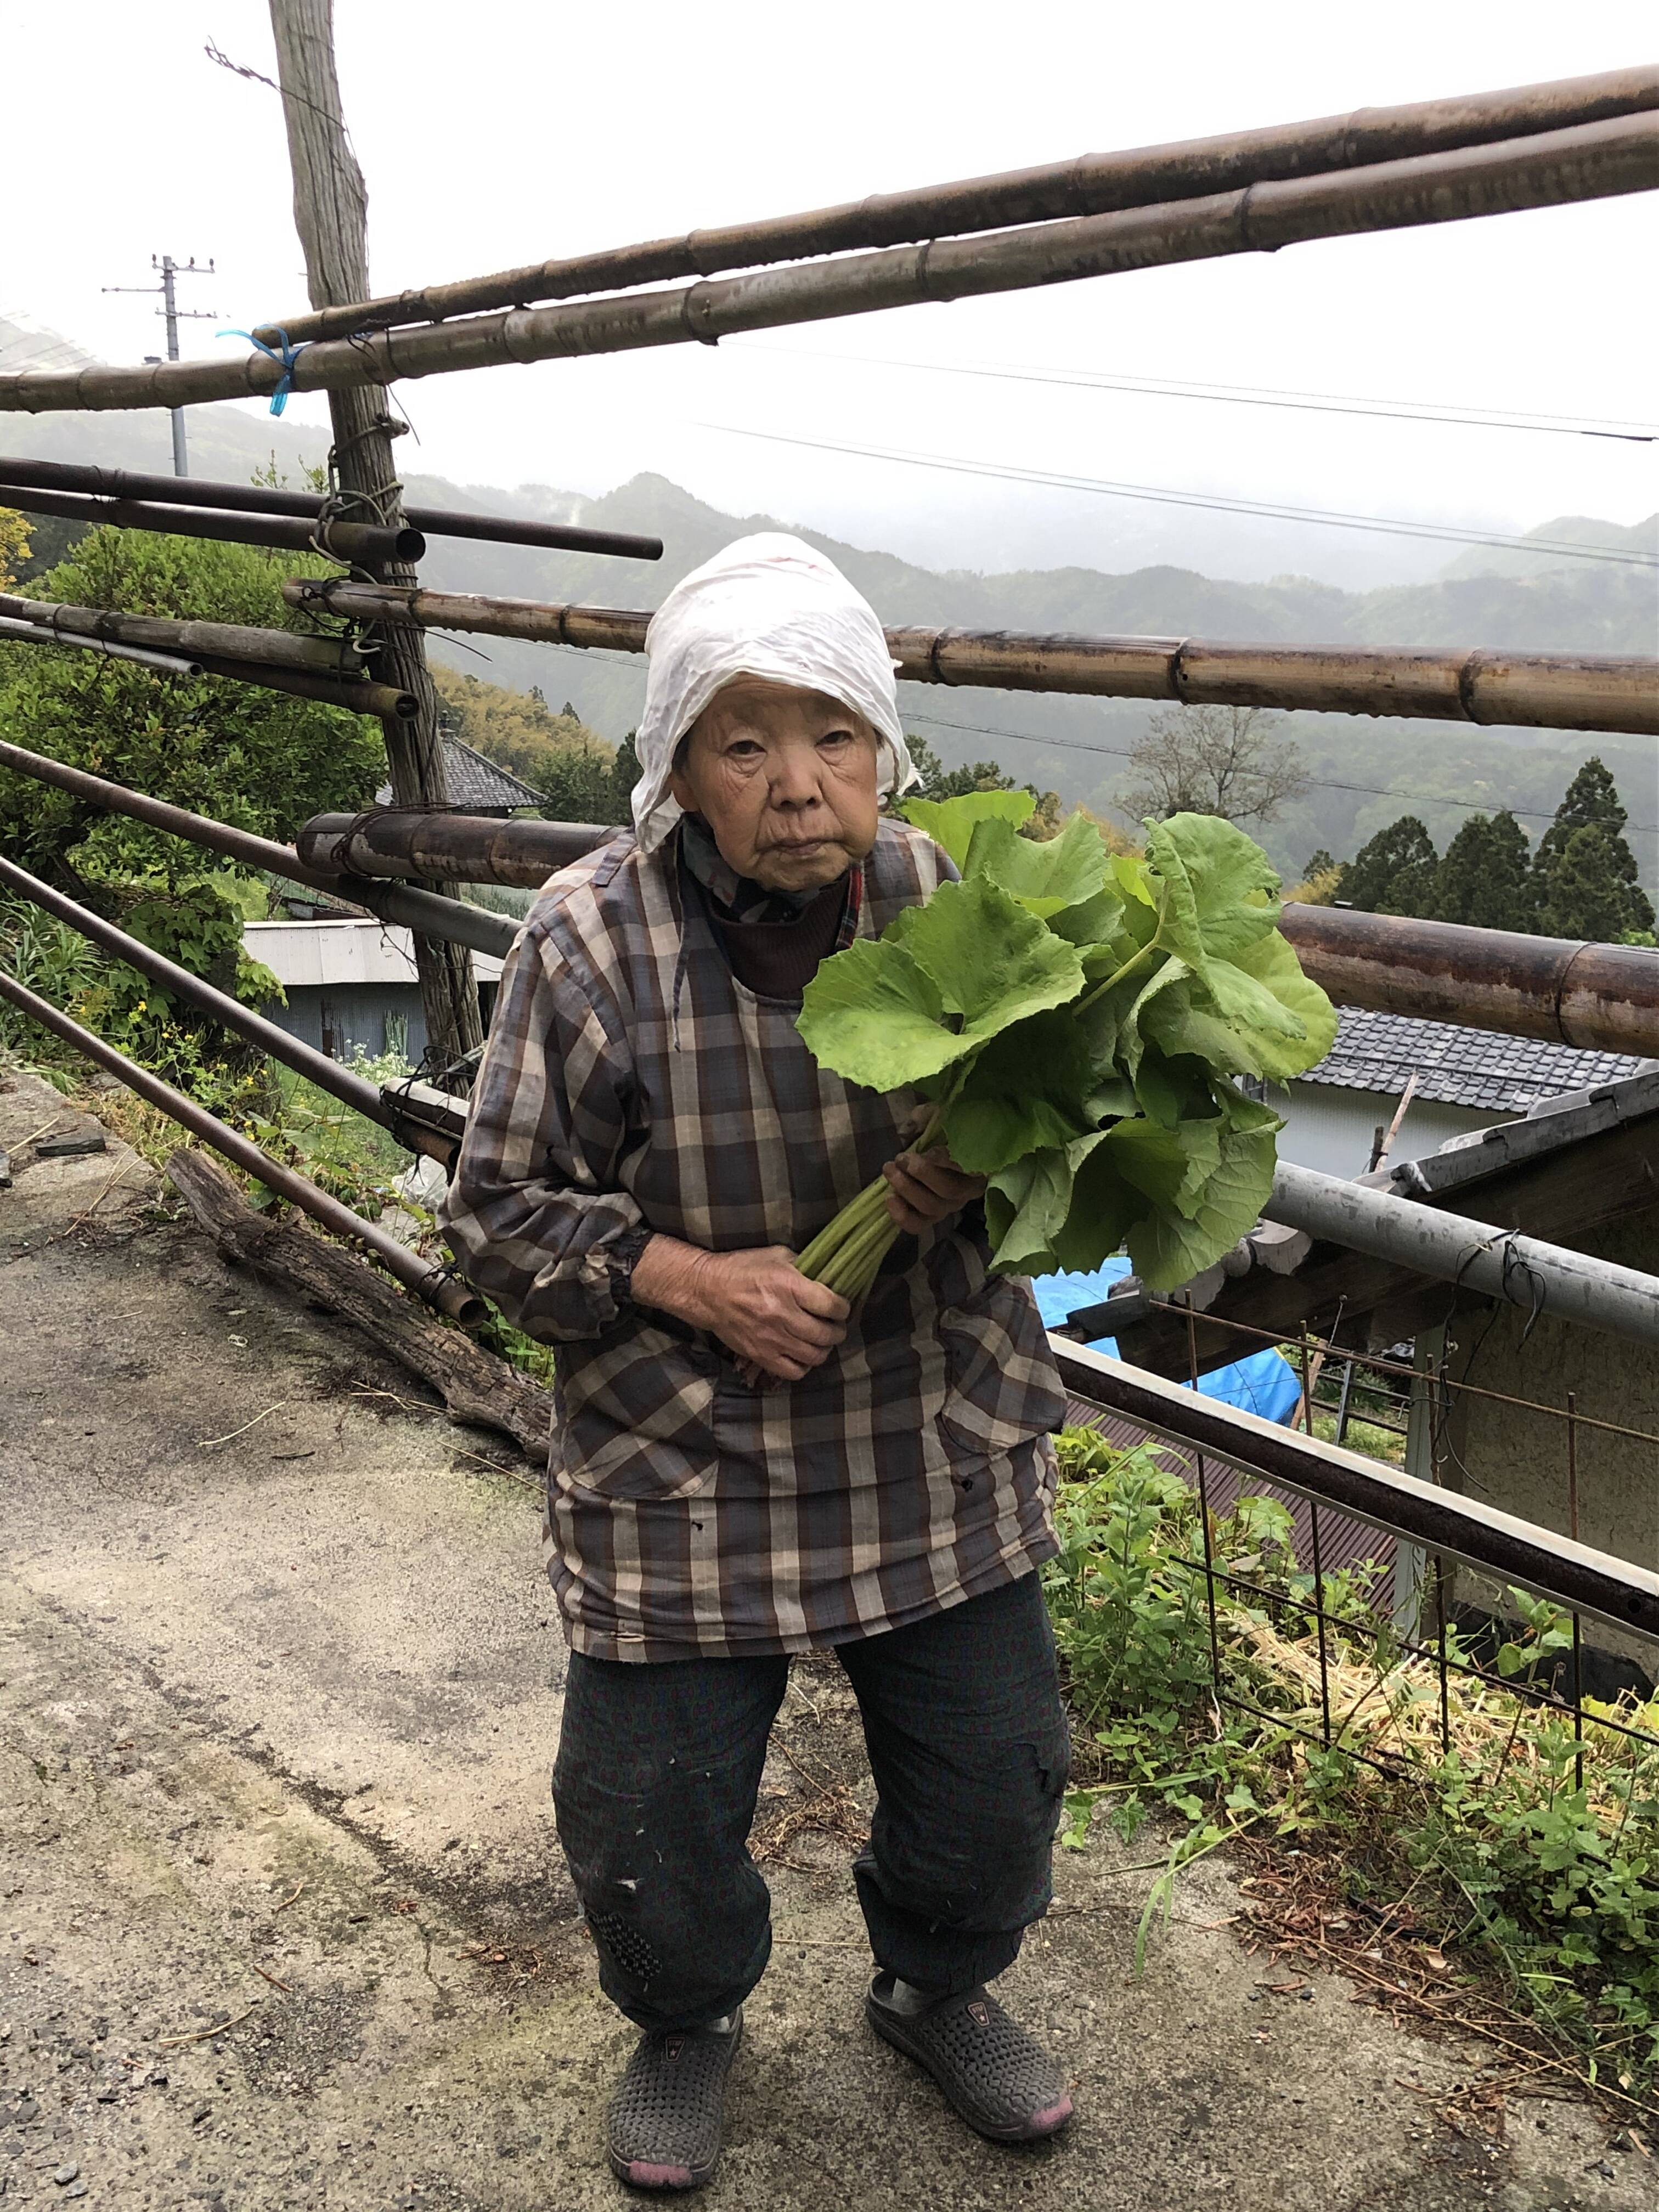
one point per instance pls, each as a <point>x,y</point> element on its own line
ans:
<point>1220,887</point>
<point>951,822</point>
<point>1044,877</point>
<point>1273,963</point>
<point>1029,1088</point>
<point>1096,923</point>
<point>1104,1206</point>
<point>1026,1205</point>
<point>941,982</point>
<point>1171,1087</point>
<point>1170,1246</point>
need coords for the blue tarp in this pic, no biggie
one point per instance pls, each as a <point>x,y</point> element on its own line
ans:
<point>1264,1383</point>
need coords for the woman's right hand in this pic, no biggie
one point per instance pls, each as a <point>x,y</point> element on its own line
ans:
<point>758,1303</point>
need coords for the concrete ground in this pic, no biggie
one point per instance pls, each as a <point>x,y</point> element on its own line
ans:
<point>282,1918</point>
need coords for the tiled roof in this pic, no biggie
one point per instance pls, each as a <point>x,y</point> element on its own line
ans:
<point>474,781</point>
<point>1457,1067</point>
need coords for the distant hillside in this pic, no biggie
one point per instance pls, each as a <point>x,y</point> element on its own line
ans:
<point>1486,596</point>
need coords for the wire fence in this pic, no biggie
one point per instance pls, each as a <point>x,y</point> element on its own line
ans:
<point>1384,1615</point>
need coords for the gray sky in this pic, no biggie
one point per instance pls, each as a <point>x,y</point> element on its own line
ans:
<point>504,133</point>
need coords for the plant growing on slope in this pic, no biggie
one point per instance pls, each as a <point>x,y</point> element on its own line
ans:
<point>1075,1018</point>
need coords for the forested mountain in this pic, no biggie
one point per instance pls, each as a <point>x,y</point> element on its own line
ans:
<point>1365,771</point>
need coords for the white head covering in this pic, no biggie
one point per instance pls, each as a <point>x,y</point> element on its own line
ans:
<point>767,605</point>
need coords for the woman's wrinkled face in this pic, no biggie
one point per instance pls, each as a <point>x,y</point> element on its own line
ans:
<point>785,780</point>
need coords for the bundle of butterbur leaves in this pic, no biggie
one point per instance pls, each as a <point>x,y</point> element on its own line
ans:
<point>1079,1020</point>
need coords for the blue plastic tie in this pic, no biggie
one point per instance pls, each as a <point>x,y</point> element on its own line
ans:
<point>288,356</point>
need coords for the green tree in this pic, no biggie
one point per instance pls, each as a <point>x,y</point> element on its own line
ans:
<point>624,775</point>
<point>1588,895</point>
<point>1394,872</point>
<point>1484,879</point>
<point>259,759</point>
<point>1562,892</point>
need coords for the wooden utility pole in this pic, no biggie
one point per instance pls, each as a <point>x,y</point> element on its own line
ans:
<point>331,213</point>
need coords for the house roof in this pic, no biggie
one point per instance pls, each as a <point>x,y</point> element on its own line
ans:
<point>1477,1068</point>
<point>476,782</point>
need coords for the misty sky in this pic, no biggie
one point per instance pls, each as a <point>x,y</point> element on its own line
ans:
<point>500,133</point>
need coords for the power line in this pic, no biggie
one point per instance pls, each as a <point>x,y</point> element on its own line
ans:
<point>1215,502</point>
<point>1245,395</point>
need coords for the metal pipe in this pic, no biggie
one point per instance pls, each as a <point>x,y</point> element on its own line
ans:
<point>336,657</point>
<point>424,912</point>
<point>358,544</point>
<point>13,632</point>
<point>1440,1520</point>
<point>1603,997</point>
<point>463,848</point>
<point>1092,184</point>
<point>363,1097</point>
<point>1547,690</point>
<point>359,696</point>
<point>429,1283</point>
<point>1595,161</point>
<point>1449,1247</point>
<point>264,499</point>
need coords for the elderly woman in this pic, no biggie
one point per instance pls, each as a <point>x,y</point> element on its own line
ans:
<point>743,1468</point>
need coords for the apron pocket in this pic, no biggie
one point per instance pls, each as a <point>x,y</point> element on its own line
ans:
<point>1004,1387</point>
<point>634,1415</point>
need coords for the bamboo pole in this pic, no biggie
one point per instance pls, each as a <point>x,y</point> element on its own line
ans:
<point>467,848</point>
<point>400,903</point>
<point>332,656</point>
<point>355,543</point>
<point>1592,161</point>
<point>1537,690</point>
<point>1603,997</point>
<point>19,475</point>
<point>330,214</point>
<point>167,664</point>
<point>1093,184</point>
<point>428,1281</point>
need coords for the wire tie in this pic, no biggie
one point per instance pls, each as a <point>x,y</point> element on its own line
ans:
<point>289,358</point>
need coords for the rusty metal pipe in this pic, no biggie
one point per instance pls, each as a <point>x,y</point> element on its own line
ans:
<point>429,1283</point>
<point>359,695</point>
<point>424,912</point>
<point>363,1097</point>
<point>357,544</point>
<point>1540,690</point>
<point>263,499</point>
<point>1603,997</point>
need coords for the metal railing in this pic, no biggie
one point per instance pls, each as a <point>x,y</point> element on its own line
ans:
<point>1425,1619</point>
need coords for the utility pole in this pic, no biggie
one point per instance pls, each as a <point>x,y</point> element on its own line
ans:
<point>175,314</point>
<point>331,213</point>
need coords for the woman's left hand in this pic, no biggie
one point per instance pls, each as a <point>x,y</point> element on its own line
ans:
<point>924,1188</point>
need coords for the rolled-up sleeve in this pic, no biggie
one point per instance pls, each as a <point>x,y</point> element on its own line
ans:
<point>534,1212</point>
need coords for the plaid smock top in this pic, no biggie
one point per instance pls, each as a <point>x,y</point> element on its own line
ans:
<point>633,1083</point>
